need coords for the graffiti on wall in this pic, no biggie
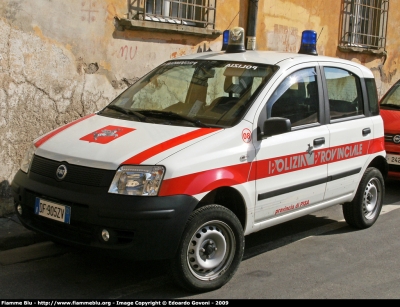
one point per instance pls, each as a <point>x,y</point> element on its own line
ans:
<point>184,51</point>
<point>89,10</point>
<point>283,38</point>
<point>128,53</point>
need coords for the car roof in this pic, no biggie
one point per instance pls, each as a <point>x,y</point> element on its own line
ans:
<point>272,58</point>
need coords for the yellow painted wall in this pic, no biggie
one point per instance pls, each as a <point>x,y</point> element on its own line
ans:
<point>281,22</point>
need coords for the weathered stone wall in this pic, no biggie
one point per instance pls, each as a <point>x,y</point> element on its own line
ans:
<point>42,86</point>
<point>60,60</point>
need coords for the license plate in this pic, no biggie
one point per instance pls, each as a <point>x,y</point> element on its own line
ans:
<point>52,210</point>
<point>393,159</point>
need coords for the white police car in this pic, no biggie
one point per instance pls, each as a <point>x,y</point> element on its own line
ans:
<point>206,149</point>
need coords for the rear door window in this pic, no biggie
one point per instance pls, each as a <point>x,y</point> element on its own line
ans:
<point>344,93</point>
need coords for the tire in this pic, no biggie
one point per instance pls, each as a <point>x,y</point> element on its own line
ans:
<point>210,250</point>
<point>363,211</point>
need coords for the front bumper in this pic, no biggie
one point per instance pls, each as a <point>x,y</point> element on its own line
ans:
<point>394,170</point>
<point>141,227</point>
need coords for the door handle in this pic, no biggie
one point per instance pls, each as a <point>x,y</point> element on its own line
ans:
<point>366,131</point>
<point>319,141</point>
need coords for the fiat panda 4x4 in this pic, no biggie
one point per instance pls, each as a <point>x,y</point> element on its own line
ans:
<point>206,149</point>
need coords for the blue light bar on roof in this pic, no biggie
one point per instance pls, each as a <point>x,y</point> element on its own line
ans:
<point>308,42</point>
<point>225,40</point>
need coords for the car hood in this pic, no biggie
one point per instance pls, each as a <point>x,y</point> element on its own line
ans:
<point>104,142</point>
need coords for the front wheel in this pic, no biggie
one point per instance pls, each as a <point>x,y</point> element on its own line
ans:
<point>210,251</point>
<point>363,211</point>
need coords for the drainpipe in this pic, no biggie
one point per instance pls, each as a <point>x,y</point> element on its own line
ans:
<point>251,25</point>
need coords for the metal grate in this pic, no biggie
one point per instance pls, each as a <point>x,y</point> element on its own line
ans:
<point>76,174</point>
<point>197,13</point>
<point>389,137</point>
<point>364,24</point>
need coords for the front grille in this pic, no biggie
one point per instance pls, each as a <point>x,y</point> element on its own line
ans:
<point>389,137</point>
<point>76,174</point>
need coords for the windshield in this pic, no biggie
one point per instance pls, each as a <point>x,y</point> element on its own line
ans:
<point>192,93</point>
<point>391,100</point>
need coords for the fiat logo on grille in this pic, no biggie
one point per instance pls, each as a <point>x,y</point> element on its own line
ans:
<point>396,139</point>
<point>61,172</point>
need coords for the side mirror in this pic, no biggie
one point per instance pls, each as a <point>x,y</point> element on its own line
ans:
<point>274,126</point>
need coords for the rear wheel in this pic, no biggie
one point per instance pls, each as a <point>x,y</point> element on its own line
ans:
<point>210,251</point>
<point>366,206</point>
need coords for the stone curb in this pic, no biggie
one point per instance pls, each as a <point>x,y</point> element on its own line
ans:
<point>6,206</point>
<point>13,234</point>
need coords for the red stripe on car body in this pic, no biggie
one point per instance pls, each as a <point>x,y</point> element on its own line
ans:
<point>159,148</point>
<point>196,183</point>
<point>377,145</point>
<point>58,130</point>
<point>201,182</point>
<point>303,160</point>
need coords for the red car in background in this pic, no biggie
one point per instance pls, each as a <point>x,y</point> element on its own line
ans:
<point>390,112</point>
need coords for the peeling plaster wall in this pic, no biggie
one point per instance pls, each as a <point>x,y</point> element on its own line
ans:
<point>40,90</point>
<point>61,60</point>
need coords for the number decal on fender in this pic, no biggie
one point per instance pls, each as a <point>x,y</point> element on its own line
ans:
<point>246,135</point>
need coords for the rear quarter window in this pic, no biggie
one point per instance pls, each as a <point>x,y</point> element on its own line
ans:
<point>372,96</point>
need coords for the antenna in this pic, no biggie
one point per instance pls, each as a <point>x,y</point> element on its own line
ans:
<point>320,33</point>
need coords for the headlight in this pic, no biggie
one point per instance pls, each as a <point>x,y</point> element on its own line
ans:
<point>137,180</point>
<point>27,159</point>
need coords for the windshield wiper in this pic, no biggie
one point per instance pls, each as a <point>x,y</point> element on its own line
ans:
<point>172,115</point>
<point>140,116</point>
